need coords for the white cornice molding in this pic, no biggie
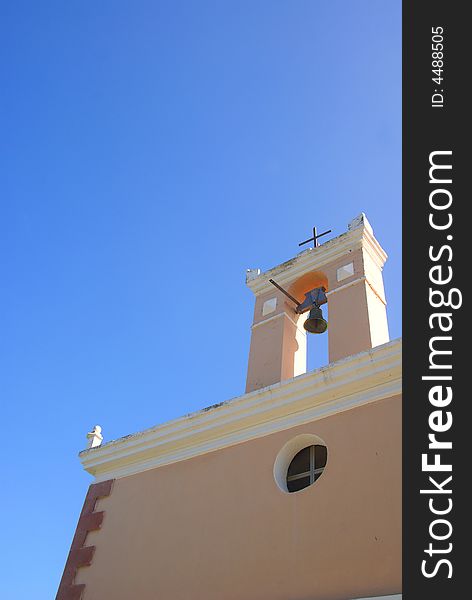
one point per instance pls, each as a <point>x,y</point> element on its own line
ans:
<point>373,248</point>
<point>354,381</point>
<point>279,316</point>
<point>315,259</point>
<point>362,279</point>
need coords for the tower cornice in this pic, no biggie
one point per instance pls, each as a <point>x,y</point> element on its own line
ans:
<point>314,259</point>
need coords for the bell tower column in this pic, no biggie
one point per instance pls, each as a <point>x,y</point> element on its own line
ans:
<point>278,340</point>
<point>349,267</point>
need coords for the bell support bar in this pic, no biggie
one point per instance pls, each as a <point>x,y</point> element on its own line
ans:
<point>279,287</point>
<point>313,298</point>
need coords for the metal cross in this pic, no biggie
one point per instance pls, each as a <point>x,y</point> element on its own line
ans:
<point>315,237</point>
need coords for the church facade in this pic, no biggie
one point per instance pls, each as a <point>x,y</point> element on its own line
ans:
<point>290,491</point>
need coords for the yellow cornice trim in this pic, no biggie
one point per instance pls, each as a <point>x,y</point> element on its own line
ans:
<point>345,384</point>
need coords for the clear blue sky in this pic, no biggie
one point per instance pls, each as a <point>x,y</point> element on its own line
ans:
<point>151,152</point>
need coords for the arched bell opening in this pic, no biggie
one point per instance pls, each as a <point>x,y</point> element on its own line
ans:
<point>315,320</point>
<point>317,352</point>
<point>307,282</point>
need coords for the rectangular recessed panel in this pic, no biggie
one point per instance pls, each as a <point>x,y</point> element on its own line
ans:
<point>269,306</point>
<point>345,271</point>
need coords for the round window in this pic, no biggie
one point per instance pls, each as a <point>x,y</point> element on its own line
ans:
<point>306,467</point>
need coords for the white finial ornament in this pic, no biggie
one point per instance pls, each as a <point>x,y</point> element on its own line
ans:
<point>360,221</point>
<point>94,437</point>
<point>252,274</point>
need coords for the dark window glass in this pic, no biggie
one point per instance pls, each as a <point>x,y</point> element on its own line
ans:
<point>306,467</point>
<point>300,463</point>
<point>320,456</point>
<point>298,484</point>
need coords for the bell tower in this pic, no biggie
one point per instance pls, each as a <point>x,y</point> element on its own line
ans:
<point>349,270</point>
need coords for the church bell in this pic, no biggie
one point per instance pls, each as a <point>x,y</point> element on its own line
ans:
<point>315,322</point>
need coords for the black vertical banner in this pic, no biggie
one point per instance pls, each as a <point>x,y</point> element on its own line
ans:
<point>436,331</point>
